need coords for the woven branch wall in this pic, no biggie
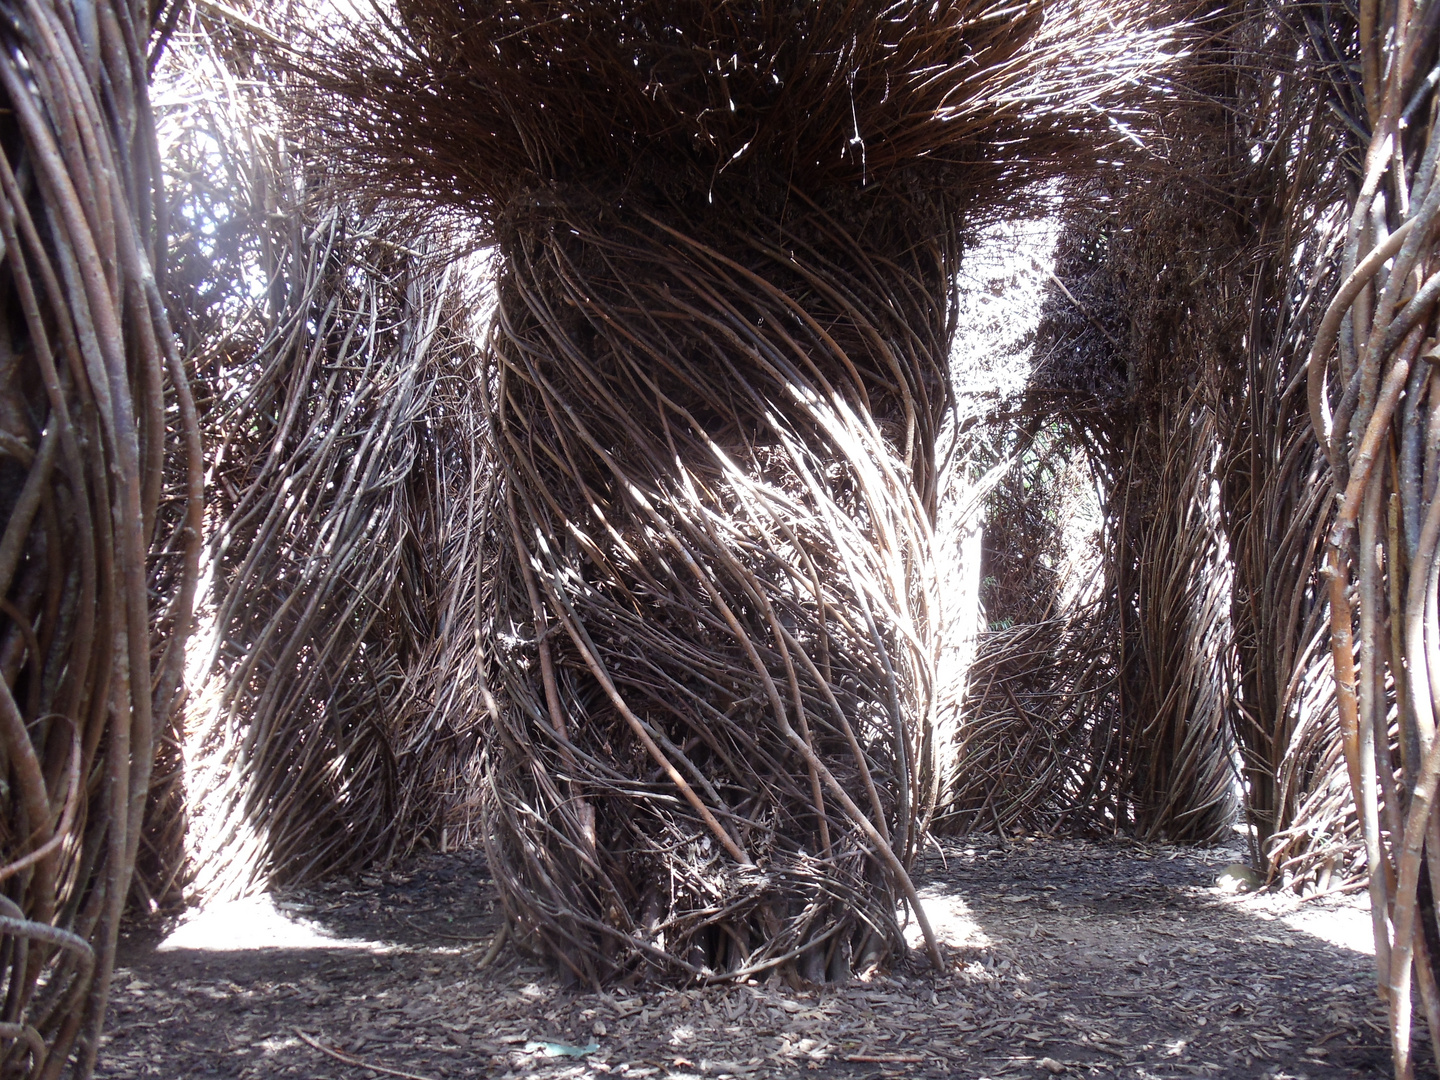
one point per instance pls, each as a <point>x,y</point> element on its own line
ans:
<point>727,564</point>
<point>717,375</point>
<point>1038,726</point>
<point>335,697</point>
<point>663,548</point>
<point>1171,356</point>
<point>100,497</point>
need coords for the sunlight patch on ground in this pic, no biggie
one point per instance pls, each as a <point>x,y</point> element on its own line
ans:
<point>256,922</point>
<point>951,919</point>
<point>1337,919</point>
<point>1346,926</point>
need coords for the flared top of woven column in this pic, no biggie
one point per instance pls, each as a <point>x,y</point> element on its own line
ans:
<point>467,104</point>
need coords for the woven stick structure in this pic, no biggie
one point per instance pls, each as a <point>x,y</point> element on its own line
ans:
<point>1036,733</point>
<point>334,672</point>
<point>1274,481</point>
<point>1158,661</point>
<point>647,579</point>
<point>100,484</point>
<point>313,749</point>
<point>1169,355</point>
<point>1039,711</point>
<point>717,375</point>
<point>1342,292</point>
<point>1372,393</point>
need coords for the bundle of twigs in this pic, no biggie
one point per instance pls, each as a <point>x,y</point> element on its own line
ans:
<point>335,676</point>
<point>1316,839</point>
<point>1372,393</point>
<point>1172,582</point>
<point>337,495</point>
<point>1273,176</point>
<point>1036,724</point>
<point>1023,566</point>
<point>94,402</point>
<point>716,377</point>
<point>759,616</point>
<point>1274,483</point>
<point>337,395</point>
<point>1171,353</point>
<point>1117,346</point>
<point>1038,737</point>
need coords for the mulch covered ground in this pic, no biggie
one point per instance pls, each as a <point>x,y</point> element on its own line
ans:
<point>1067,958</point>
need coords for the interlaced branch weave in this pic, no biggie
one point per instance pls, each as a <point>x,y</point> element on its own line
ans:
<point>1371,389</point>
<point>334,698</point>
<point>1171,354</point>
<point>716,378</point>
<point>100,478</point>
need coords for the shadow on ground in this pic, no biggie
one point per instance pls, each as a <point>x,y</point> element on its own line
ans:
<point>1067,958</point>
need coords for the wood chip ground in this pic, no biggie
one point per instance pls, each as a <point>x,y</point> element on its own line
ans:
<point>1066,958</point>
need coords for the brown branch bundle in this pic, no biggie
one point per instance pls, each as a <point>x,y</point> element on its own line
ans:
<point>337,485</point>
<point>1036,730</point>
<point>329,722</point>
<point>1274,482</point>
<point>342,451</point>
<point>1319,835</point>
<point>1022,566</point>
<point>1172,354</point>
<point>717,375</point>
<point>474,105</point>
<point>1038,744</point>
<point>99,553</point>
<point>1179,665</point>
<point>1372,393</point>
<point>1117,346</point>
<point>725,573</point>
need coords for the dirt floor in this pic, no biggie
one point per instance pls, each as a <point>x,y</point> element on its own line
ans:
<point>1067,958</point>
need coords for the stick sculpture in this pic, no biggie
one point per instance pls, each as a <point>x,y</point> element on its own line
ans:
<point>715,380</point>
